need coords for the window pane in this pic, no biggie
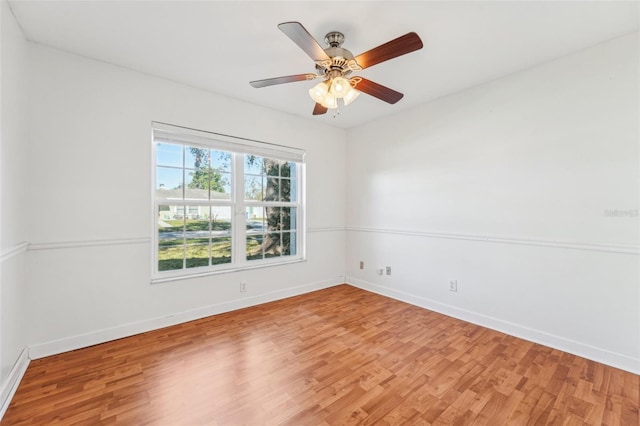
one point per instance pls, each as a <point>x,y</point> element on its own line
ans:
<point>168,154</point>
<point>254,187</point>
<point>221,220</point>
<point>285,169</point>
<point>170,238</point>
<point>221,233</point>
<point>253,165</point>
<point>293,244</point>
<point>288,243</point>
<point>207,174</point>
<point>168,183</point>
<point>285,190</point>
<point>273,189</point>
<point>204,183</point>
<point>254,246</point>
<point>255,217</point>
<point>220,185</point>
<point>272,167</point>
<point>289,218</point>
<point>220,161</point>
<point>196,184</point>
<point>264,183</point>
<point>220,250</point>
<point>195,157</point>
<point>293,190</point>
<point>274,222</point>
<point>278,238</point>
<point>197,236</point>
<point>197,254</point>
<point>271,245</point>
<point>293,168</point>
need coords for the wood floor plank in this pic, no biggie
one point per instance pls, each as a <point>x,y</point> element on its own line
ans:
<point>337,356</point>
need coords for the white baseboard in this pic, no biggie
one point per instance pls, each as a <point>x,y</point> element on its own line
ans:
<point>593,353</point>
<point>10,385</point>
<point>42,350</point>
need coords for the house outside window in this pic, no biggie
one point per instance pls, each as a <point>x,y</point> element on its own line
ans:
<point>222,203</point>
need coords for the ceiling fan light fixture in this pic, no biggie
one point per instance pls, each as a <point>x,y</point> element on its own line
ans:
<point>351,96</point>
<point>330,101</point>
<point>329,91</point>
<point>319,91</point>
<point>340,87</point>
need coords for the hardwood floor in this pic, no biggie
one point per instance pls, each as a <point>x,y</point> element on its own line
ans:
<point>336,356</point>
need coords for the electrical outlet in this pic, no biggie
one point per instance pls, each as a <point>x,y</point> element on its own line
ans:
<point>388,269</point>
<point>361,264</point>
<point>243,287</point>
<point>380,270</point>
<point>453,285</point>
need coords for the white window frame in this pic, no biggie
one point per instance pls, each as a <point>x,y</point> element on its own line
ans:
<point>238,147</point>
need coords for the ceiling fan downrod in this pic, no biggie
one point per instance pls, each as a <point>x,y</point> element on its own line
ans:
<point>334,39</point>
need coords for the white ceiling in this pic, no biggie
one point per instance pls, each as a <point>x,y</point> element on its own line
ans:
<point>221,46</point>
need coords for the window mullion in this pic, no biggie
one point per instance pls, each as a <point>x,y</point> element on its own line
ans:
<point>210,248</point>
<point>239,223</point>
<point>184,238</point>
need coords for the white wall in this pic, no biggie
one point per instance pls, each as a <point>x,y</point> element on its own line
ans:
<point>13,202</point>
<point>506,187</point>
<point>503,187</point>
<point>90,220</point>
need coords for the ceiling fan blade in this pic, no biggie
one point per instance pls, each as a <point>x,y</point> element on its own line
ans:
<point>319,109</point>
<point>378,91</point>
<point>281,80</point>
<point>300,36</point>
<point>392,49</point>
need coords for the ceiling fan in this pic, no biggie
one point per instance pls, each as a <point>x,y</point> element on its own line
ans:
<point>334,64</point>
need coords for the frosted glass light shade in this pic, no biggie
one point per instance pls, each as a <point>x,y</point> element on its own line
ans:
<point>340,87</point>
<point>351,96</point>
<point>319,91</point>
<point>330,101</point>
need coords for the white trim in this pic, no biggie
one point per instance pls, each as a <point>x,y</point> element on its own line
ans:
<point>54,245</point>
<point>163,132</point>
<point>327,229</point>
<point>88,243</point>
<point>573,245</point>
<point>257,264</point>
<point>10,385</point>
<point>100,336</point>
<point>238,230</point>
<point>603,356</point>
<point>14,251</point>
<point>610,248</point>
<point>154,206</point>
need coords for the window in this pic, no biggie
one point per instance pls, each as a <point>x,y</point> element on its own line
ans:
<point>222,203</point>
<point>271,209</point>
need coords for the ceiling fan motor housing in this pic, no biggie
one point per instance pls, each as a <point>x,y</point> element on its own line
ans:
<point>342,61</point>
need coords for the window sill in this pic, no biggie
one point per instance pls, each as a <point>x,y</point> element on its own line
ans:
<point>161,279</point>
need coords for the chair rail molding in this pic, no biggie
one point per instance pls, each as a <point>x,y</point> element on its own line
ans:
<point>88,243</point>
<point>54,245</point>
<point>499,239</point>
<point>14,251</point>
